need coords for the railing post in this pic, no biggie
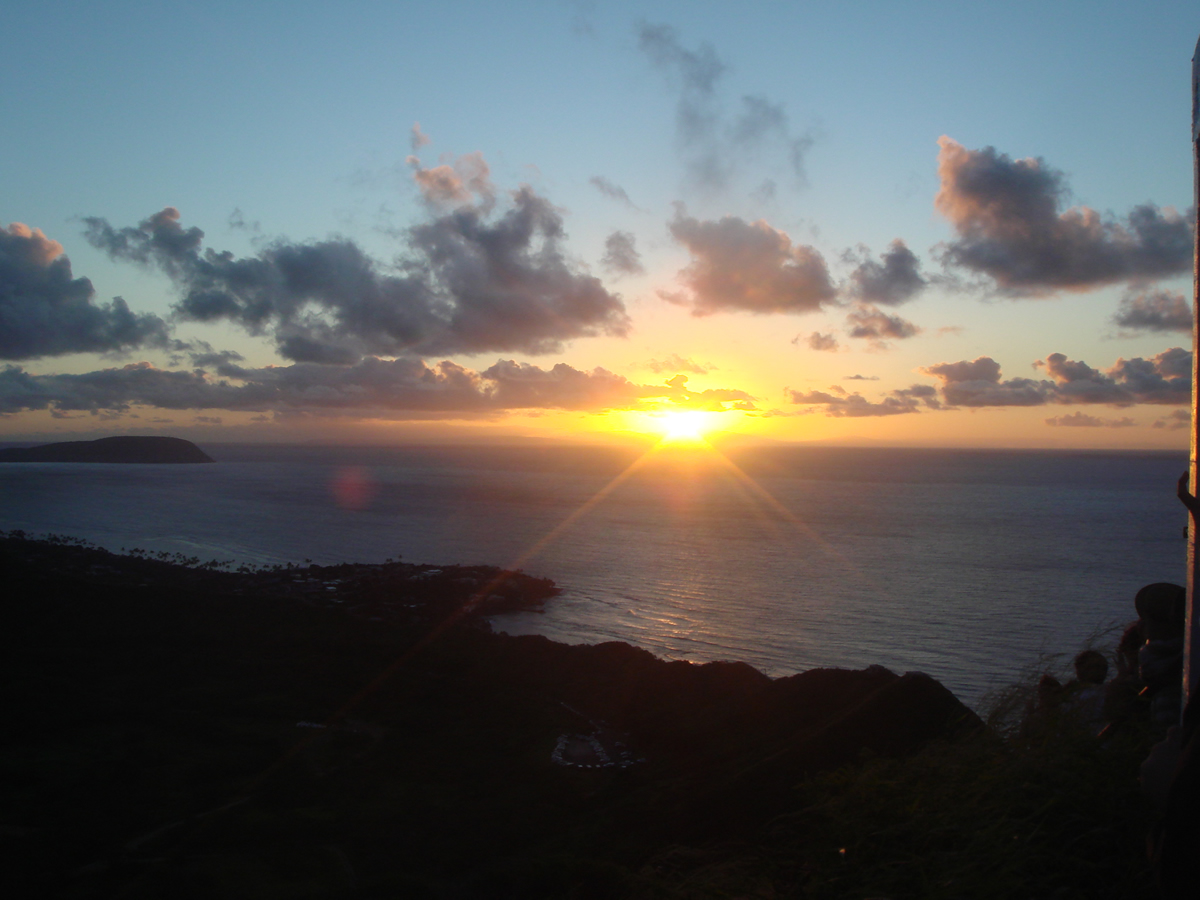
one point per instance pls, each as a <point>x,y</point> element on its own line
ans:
<point>1191,648</point>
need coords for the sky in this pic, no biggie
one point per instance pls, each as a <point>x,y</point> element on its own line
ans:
<point>928,224</point>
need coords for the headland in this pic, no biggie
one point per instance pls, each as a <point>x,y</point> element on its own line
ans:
<point>121,449</point>
<point>177,729</point>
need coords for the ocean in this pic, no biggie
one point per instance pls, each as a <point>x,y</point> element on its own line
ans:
<point>972,566</point>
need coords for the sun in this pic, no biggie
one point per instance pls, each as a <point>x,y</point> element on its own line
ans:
<point>684,427</point>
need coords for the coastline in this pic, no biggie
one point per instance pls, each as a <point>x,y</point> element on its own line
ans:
<point>182,726</point>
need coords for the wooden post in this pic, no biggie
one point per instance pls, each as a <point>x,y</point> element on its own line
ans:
<point>1191,648</point>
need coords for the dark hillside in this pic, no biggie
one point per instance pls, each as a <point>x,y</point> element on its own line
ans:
<point>176,731</point>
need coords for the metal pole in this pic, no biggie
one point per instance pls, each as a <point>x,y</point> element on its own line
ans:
<point>1191,649</point>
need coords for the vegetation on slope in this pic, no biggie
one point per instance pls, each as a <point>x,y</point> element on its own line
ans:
<point>206,741</point>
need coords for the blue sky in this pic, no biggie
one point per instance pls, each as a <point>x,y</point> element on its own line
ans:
<point>292,123</point>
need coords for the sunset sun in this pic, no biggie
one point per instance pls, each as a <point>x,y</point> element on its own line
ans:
<point>685,427</point>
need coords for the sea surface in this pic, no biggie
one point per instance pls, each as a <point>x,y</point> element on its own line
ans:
<point>971,566</point>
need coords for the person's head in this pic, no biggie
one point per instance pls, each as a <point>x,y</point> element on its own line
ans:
<point>1161,607</point>
<point>1091,667</point>
<point>1127,649</point>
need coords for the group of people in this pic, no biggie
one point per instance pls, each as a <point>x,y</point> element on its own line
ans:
<point>1149,663</point>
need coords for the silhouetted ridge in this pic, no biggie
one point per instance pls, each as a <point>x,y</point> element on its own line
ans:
<point>125,449</point>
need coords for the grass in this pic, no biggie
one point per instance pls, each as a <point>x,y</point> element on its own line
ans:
<point>1014,811</point>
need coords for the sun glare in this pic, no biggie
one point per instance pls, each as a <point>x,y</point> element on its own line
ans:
<point>684,427</point>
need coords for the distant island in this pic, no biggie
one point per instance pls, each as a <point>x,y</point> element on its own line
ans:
<point>126,449</point>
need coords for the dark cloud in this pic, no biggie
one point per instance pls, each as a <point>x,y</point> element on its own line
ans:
<point>621,256</point>
<point>108,389</point>
<point>1154,311</point>
<point>712,141</point>
<point>1010,228</point>
<point>203,356</point>
<point>611,190</point>
<point>977,383</point>
<point>46,311</point>
<point>861,378</point>
<point>1083,420</point>
<point>866,321</point>
<point>1077,382</point>
<point>1162,379</point>
<point>925,393</point>
<point>469,281</point>
<point>825,343</point>
<point>200,354</point>
<point>1165,378</point>
<point>749,266</point>
<point>896,278</point>
<point>677,363</point>
<point>397,388</point>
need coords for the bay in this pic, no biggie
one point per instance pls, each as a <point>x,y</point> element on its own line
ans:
<point>968,565</point>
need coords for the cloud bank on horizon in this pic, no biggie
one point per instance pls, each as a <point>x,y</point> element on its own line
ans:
<point>483,271</point>
<point>484,274</point>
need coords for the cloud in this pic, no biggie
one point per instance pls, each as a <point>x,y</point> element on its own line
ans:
<point>611,190</point>
<point>418,138</point>
<point>749,266</point>
<point>1077,382</point>
<point>713,142</point>
<point>926,393</point>
<point>1083,420</point>
<point>1177,419</point>
<point>525,386</point>
<point>237,222</point>
<point>676,363</point>
<point>825,343</point>
<point>895,279</point>
<point>621,256</point>
<point>1165,378</point>
<point>1007,217</point>
<point>977,383</point>
<point>713,399</point>
<point>861,378</point>
<point>1162,379</point>
<point>868,322</point>
<point>843,405</point>
<point>468,281</point>
<point>1159,311</point>
<point>203,356</point>
<point>448,186</point>
<point>46,311</point>
<point>399,388</point>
